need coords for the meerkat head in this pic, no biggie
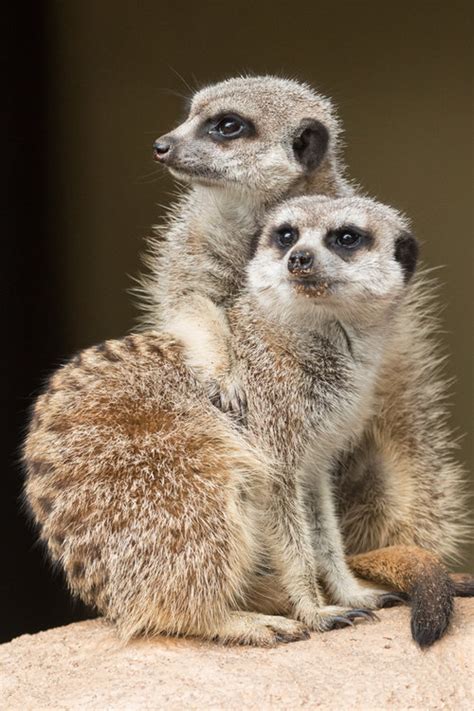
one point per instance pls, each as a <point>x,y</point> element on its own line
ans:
<point>264,134</point>
<point>348,258</point>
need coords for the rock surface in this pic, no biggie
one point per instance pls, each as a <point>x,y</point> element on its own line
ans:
<point>370,666</point>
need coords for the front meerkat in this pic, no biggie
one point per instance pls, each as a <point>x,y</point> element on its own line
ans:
<point>160,510</point>
<point>247,144</point>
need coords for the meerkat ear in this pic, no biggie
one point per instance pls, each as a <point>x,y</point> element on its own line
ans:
<point>310,143</point>
<point>406,252</point>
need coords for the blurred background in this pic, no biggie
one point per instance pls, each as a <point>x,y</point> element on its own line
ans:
<point>89,86</point>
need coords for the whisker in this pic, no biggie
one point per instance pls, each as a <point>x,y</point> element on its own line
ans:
<point>157,171</point>
<point>153,177</point>
<point>188,86</point>
<point>197,85</point>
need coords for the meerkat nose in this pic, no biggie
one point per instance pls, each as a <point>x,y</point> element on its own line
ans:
<point>300,261</point>
<point>161,148</point>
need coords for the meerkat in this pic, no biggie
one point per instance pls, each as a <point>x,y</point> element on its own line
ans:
<point>247,144</point>
<point>160,509</point>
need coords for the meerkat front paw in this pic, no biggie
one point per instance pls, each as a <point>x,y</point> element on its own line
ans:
<point>229,396</point>
<point>358,596</point>
<point>362,597</point>
<point>330,617</point>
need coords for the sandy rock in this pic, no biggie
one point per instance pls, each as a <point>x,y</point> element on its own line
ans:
<point>371,666</point>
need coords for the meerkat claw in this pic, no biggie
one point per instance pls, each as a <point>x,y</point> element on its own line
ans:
<point>347,619</point>
<point>293,637</point>
<point>339,622</point>
<point>365,614</point>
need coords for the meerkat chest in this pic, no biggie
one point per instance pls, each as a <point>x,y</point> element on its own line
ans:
<point>298,404</point>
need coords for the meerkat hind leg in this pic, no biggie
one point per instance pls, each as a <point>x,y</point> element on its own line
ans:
<point>267,596</point>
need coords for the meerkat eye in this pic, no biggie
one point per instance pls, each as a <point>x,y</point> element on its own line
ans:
<point>347,239</point>
<point>285,236</point>
<point>227,127</point>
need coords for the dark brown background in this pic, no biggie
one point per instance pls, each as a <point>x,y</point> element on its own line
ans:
<point>93,83</point>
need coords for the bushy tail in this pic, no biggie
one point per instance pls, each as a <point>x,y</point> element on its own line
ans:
<point>421,575</point>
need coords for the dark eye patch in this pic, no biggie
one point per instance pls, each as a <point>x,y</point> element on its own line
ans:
<point>227,126</point>
<point>347,240</point>
<point>284,236</point>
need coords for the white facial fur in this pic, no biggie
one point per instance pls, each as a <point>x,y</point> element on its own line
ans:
<point>264,162</point>
<point>359,288</point>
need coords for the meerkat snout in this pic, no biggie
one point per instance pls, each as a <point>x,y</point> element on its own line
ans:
<point>162,148</point>
<point>301,262</point>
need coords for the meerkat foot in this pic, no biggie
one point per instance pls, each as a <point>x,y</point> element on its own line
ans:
<point>333,617</point>
<point>252,628</point>
<point>367,597</point>
<point>359,597</point>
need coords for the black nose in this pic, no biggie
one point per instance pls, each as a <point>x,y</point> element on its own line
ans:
<point>161,148</point>
<point>300,261</point>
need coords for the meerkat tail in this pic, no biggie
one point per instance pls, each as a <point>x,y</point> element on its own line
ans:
<point>421,575</point>
<point>463,584</point>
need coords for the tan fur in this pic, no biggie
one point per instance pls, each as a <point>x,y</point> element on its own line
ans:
<point>161,512</point>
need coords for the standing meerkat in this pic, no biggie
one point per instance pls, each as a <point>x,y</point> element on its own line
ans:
<point>247,144</point>
<point>160,510</point>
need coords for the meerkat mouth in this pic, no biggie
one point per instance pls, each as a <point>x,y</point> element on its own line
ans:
<point>312,287</point>
<point>197,175</point>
